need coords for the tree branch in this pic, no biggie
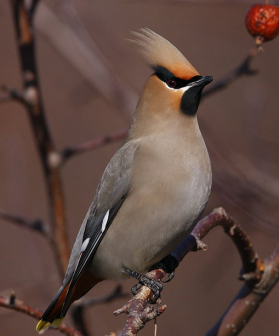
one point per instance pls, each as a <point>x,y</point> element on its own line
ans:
<point>17,305</point>
<point>253,269</point>
<point>32,99</point>
<point>248,300</point>
<point>252,265</point>
<point>139,313</point>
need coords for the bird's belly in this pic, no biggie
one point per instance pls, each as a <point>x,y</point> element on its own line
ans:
<point>162,217</point>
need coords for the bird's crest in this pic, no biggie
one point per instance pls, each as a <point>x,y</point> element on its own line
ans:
<point>160,52</point>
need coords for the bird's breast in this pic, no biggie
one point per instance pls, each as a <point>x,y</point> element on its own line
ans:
<point>170,186</point>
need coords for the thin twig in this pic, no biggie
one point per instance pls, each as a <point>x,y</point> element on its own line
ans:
<point>14,94</point>
<point>80,306</point>
<point>243,69</point>
<point>93,144</point>
<point>116,293</point>
<point>36,225</point>
<point>17,305</point>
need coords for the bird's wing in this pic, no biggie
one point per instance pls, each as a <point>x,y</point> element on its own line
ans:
<point>111,193</point>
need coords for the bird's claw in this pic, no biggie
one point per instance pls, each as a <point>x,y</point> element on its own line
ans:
<point>136,288</point>
<point>170,277</point>
<point>154,285</point>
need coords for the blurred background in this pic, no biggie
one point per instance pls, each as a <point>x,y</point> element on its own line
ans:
<point>91,78</point>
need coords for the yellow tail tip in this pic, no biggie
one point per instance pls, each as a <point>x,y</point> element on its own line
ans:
<point>56,323</point>
<point>44,324</point>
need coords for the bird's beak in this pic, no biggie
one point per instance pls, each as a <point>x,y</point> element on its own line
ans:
<point>203,81</point>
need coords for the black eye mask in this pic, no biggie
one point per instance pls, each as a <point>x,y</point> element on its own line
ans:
<point>172,81</point>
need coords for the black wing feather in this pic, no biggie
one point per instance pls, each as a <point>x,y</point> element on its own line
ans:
<point>95,240</point>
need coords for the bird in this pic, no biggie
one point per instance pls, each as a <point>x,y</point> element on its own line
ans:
<point>155,187</point>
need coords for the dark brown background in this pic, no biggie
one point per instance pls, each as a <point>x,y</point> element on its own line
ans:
<point>240,126</point>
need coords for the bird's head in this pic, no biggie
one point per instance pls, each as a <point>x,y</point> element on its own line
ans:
<point>175,86</point>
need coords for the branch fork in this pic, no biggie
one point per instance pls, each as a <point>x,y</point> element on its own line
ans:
<point>138,310</point>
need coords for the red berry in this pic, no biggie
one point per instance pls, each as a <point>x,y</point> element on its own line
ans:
<point>262,21</point>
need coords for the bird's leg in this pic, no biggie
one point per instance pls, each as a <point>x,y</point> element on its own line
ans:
<point>168,264</point>
<point>154,285</point>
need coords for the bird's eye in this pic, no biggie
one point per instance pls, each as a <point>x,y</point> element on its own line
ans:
<point>171,83</point>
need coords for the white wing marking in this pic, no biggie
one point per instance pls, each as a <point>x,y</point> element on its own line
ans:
<point>105,220</point>
<point>84,245</point>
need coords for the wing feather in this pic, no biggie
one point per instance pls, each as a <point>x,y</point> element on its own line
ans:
<point>110,195</point>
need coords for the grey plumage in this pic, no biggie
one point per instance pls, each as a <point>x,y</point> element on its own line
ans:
<point>112,189</point>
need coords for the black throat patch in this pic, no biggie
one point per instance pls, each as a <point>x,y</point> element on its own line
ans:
<point>190,100</point>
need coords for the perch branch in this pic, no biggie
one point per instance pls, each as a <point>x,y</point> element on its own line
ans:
<point>137,308</point>
<point>139,313</point>
<point>252,265</point>
<point>17,305</point>
<point>32,100</point>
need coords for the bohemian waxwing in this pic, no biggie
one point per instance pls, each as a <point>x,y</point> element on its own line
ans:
<point>154,188</point>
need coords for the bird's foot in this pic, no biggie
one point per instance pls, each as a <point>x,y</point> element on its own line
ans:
<point>154,285</point>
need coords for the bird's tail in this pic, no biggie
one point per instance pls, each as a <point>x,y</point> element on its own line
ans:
<point>52,316</point>
<point>57,310</point>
